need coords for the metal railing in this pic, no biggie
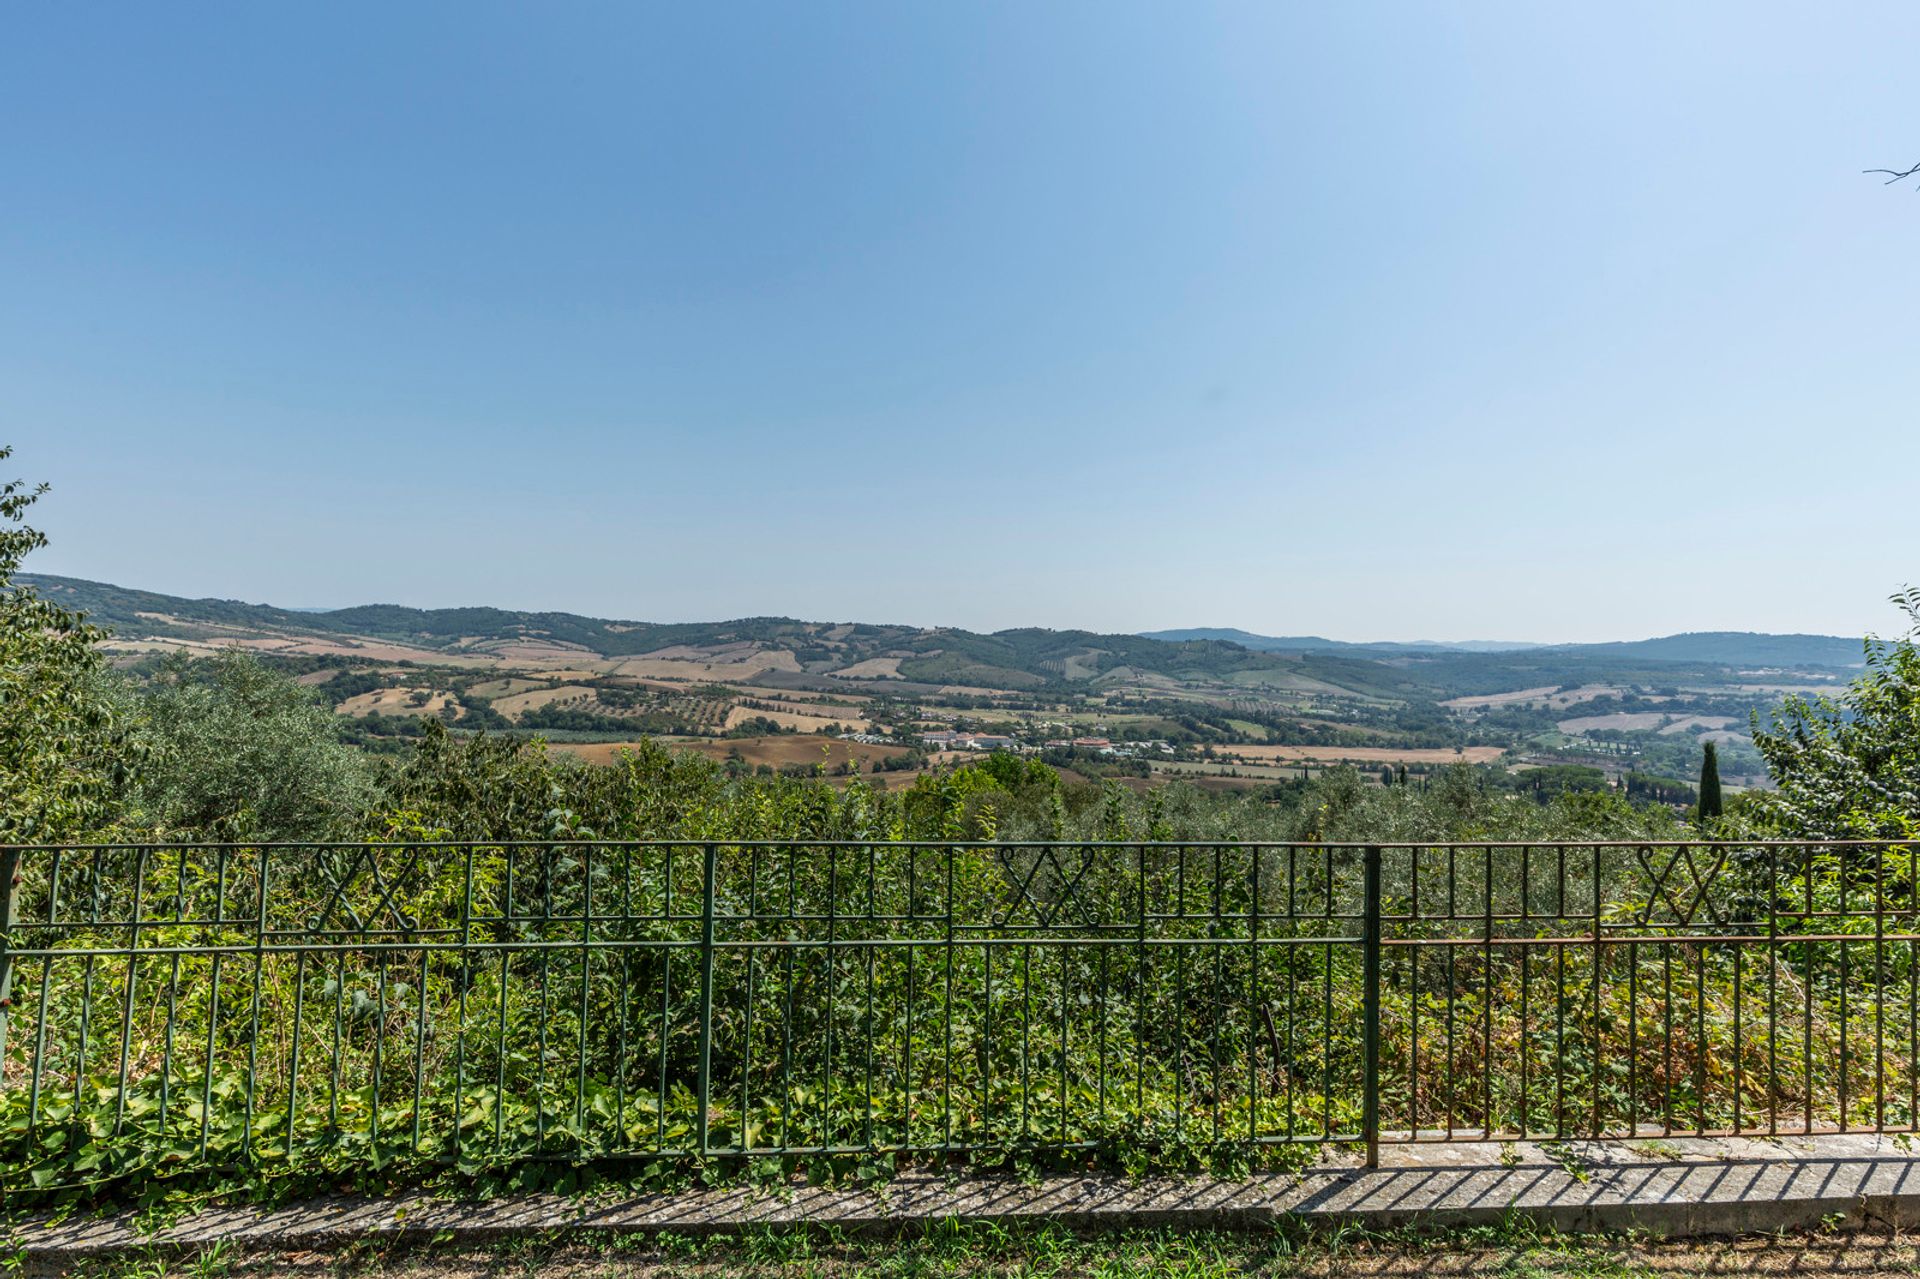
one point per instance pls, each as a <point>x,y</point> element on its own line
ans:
<point>494,1002</point>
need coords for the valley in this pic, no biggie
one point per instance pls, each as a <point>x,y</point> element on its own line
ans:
<point>890,702</point>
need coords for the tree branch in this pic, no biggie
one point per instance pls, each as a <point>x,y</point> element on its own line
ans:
<point>1896,175</point>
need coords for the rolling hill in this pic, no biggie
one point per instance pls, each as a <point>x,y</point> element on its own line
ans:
<point>1721,648</point>
<point>793,653</point>
<point>1221,668</point>
<point>1320,644</point>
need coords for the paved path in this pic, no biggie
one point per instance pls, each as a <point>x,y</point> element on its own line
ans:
<point>1671,1188</point>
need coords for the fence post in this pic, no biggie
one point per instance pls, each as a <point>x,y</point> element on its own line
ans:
<point>704,1081</point>
<point>9,916</point>
<point>1370,1006</point>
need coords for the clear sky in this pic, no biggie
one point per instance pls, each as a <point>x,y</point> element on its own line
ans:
<point>1463,320</point>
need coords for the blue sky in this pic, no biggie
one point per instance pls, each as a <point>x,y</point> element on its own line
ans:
<point>1372,321</point>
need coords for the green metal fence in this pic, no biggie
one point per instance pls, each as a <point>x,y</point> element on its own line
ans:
<point>495,1002</point>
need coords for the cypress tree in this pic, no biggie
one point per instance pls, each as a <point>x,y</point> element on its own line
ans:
<point>1710,805</point>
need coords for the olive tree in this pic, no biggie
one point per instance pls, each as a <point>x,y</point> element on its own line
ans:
<point>238,751</point>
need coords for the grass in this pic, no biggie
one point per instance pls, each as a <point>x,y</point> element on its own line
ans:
<point>959,1250</point>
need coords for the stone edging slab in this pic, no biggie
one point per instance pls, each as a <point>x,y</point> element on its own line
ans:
<point>1671,1189</point>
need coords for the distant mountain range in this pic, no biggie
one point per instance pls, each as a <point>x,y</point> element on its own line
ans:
<point>1217,665</point>
<point>1319,644</point>
<point>1727,648</point>
<point>769,651</point>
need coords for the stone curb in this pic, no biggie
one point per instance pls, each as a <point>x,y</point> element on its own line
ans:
<point>1665,1188</point>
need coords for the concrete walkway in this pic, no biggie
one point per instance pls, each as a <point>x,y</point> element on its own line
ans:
<point>1669,1188</point>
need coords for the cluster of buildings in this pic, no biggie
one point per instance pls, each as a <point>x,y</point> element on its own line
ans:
<point>962,741</point>
<point>1102,746</point>
<point>959,740</point>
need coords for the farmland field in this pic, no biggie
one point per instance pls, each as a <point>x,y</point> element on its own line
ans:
<point>777,751</point>
<point>696,665</point>
<point>798,722</point>
<point>210,646</point>
<point>1367,754</point>
<point>799,695</point>
<point>1551,697</point>
<point>495,688</point>
<point>515,704</point>
<point>1620,720</point>
<point>1666,723</point>
<point>1688,722</point>
<point>1500,699</point>
<point>1216,774</point>
<point>872,668</point>
<point>399,701</point>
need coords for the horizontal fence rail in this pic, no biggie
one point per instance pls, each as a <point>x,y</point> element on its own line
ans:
<point>488,1003</point>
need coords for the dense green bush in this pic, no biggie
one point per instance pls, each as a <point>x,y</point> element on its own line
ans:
<point>62,747</point>
<point>1848,767</point>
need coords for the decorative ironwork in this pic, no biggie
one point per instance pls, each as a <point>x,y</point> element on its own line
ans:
<point>364,857</point>
<point>1046,891</point>
<point>1684,903</point>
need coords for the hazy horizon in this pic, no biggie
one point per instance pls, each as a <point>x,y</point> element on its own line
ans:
<point>1148,632</point>
<point>1367,322</point>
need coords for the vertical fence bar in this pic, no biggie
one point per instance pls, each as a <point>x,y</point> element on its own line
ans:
<point>9,916</point>
<point>705,1078</point>
<point>1370,1006</point>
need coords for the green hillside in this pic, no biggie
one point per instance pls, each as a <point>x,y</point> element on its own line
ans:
<point>1023,658</point>
<point>1020,660</point>
<point>1714,648</point>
